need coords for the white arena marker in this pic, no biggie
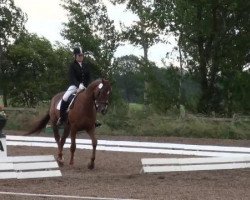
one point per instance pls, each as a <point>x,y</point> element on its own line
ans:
<point>23,167</point>
<point>156,165</point>
<point>59,196</point>
<point>202,167</point>
<point>8,175</point>
<point>189,161</point>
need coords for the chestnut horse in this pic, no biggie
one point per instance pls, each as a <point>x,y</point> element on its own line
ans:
<point>81,116</point>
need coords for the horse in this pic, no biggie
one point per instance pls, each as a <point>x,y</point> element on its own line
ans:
<point>81,116</point>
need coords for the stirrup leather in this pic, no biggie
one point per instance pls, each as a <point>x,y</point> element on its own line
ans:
<point>60,122</point>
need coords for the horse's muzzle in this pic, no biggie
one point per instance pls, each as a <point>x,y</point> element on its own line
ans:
<point>104,111</point>
<point>101,107</point>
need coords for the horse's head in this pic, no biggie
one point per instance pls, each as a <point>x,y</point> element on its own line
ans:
<point>101,96</point>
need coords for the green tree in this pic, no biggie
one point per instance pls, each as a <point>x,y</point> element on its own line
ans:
<point>215,40</point>
<point>89,26</point>
<point>31,57</point>
<point>12,21</point>
<point>142,33</point>
<point>56,76</point>
<point>164,88</point>
<point>128,78</point>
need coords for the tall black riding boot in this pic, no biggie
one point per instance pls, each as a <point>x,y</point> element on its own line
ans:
<point>63,115</point>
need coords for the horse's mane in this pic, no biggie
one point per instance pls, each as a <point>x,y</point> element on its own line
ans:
<point>93,84</point>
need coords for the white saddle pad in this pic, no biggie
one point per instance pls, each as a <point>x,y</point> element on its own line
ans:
<point>59,104</point>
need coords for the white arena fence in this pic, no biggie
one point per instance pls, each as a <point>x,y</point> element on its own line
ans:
<point>156,165</point>
<point>208,157</point>
<point>26,167</point>
<point>137,147</point>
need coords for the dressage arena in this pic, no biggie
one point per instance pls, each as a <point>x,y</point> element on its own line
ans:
<point>117,174</point>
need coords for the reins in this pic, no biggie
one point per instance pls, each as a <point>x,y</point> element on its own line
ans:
<point>96,102</point>
<point>95,97</point>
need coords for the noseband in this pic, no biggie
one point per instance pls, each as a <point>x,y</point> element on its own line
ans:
<point>97,103</point>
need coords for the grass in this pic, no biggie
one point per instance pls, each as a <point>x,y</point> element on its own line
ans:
<point>135,107</point>
<point>133,120</point>
<point>24,120</point>
<point>1,100</point>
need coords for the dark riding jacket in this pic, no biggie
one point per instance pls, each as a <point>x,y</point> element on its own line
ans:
<point>79,74</point>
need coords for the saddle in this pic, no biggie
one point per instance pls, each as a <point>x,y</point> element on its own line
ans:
<point>70,101</point>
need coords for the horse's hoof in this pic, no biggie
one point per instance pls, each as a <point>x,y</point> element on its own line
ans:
<point>60,162</point>
<point>71,163</point>
<point>91,166</point>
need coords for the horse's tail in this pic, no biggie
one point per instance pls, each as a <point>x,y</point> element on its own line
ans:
<point>40,124</point>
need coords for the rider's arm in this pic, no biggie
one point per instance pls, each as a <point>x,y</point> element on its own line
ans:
<point>72,76</point>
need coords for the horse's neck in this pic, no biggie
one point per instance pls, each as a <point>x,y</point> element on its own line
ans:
<point>87,97</point>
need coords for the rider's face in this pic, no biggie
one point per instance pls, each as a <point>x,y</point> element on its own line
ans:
<point>79,57</point>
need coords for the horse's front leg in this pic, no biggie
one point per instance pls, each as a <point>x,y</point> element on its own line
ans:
<point>62,141</point>
<point>91,133</point>
<point>73,145</point>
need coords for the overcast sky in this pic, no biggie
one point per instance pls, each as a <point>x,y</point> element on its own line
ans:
<point>45,18</point>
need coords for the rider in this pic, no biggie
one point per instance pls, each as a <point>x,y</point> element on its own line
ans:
<point>79,79</point>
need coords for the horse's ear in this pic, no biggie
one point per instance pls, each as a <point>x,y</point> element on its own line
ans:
<point>104,80</point>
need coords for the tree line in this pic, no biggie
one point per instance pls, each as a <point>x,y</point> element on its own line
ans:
<point>213,54</point>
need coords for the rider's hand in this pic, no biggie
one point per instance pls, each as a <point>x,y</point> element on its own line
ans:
<point>81,87</point>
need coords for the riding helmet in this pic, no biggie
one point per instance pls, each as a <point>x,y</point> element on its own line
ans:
<point>77,50</point>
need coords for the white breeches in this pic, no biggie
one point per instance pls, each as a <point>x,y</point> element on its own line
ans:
<point>72,89</point>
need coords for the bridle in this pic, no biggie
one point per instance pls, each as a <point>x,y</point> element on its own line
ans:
<point>98,102</point>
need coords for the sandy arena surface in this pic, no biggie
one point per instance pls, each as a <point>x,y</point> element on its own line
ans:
<point>117,175</point>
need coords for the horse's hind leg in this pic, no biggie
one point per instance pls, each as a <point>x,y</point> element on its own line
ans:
<point>56,134</point>
<point>91,133</point>
<point>61,144</point>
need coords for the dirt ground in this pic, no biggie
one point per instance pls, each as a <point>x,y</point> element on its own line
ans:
<point>117,175</point>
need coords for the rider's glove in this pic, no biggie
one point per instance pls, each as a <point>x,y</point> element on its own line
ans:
<point>81,87</point>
